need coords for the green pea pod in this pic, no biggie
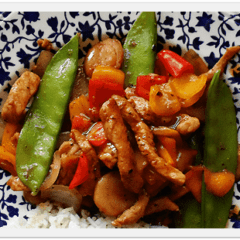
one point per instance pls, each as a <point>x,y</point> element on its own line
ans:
<point>220,150</point>
<point>140,48</point>
<point>189,215</point>
<point>43,123</point>
<point>196,143</point>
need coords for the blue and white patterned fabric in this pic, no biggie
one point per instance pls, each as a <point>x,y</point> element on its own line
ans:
<point>208,33</point>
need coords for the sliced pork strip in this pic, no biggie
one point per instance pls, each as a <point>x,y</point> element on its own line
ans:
<point>108,155</point>
<point>144,138</point>
<point>134,213</point>
<point>223,61</point>
<point>116,133</point>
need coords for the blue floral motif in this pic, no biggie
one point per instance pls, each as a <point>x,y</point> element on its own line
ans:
<point>208,33</point>
<point>205,21</point>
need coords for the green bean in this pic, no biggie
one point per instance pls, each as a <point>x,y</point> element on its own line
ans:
<point>44,119</point>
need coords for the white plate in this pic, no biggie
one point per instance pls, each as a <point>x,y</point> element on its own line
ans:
<point>208,33</point>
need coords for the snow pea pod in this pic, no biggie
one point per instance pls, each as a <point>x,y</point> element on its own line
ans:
<point>140,48</point>
<point>220,150</point>
<point>189,215</point>
<point>39,134</point>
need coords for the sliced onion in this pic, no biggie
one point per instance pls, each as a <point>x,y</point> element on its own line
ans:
<point>62,194</point>
<point>53,172</point>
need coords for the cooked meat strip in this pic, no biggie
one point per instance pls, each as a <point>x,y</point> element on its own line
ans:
<point>144,138</point>
<point>143,108</point>
<point>21,92</point>
<point>160,204</point>
<point>187,124</point>
<point>133,214</point>
<point>108,155</point>
<point>87,188</point>
<point>221,64</point>
<point>116,133</point>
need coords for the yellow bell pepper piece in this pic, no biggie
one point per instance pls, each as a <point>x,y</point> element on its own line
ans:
<point>108,73</point>
<point>163,100</point>
<point>188,85</point>
<point>79,105</point>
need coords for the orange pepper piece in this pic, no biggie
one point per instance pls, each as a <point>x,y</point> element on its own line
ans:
<point>194,182</point>
<point>218,183</point>
<point>9,130</point>
<point>170,145</point>
<point>7,161</point>
<point>108,73</point>
<point>186,158</point>
<point>163,152</point>
<point>79,105</point>
<point>164,131</point>
<point>163,100</point>
<point>188,85</point>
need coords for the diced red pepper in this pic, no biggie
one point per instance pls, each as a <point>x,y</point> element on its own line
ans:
<point>100,91</point>
<point>81,174</point>
<point>175,64</point>
<point>81,122</point>
<point>144,83</point>
<point>96,136</point>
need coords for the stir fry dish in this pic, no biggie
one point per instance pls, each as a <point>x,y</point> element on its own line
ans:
<point>132,133</point>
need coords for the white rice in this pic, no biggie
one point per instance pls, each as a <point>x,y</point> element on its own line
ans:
<point>47,215</point>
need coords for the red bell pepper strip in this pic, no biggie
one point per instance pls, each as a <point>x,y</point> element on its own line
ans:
<point>174,64</point>
<point>81,122</point>
<point>81,174</point>
<point>100,91</point>
<point>144,83</point>
<point>96,136</point>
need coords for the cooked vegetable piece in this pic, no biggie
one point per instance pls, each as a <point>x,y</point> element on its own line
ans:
<point>7,138</point>
<point>43,60</point>
<point>81,122</point>
<point>174,63</point>
<point>163,100</point>
<point>78,106</point>
<point>144,83</point>
<point>108,73</point>
<point>188,85</point>
<point>110,195</point>
<point>7,161</point>
<point>96,135</point>
<point>43,123</point>
<point>100,91</point>
<point>198,64</point>
<point>194,181</point>
<point>220,152</point>
<point>189,215</point>
<point>81,174</point>
<point>109,52</point>
<point>139,48</point>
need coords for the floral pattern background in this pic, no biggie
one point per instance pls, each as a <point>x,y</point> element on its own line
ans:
<point>208,33</point>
